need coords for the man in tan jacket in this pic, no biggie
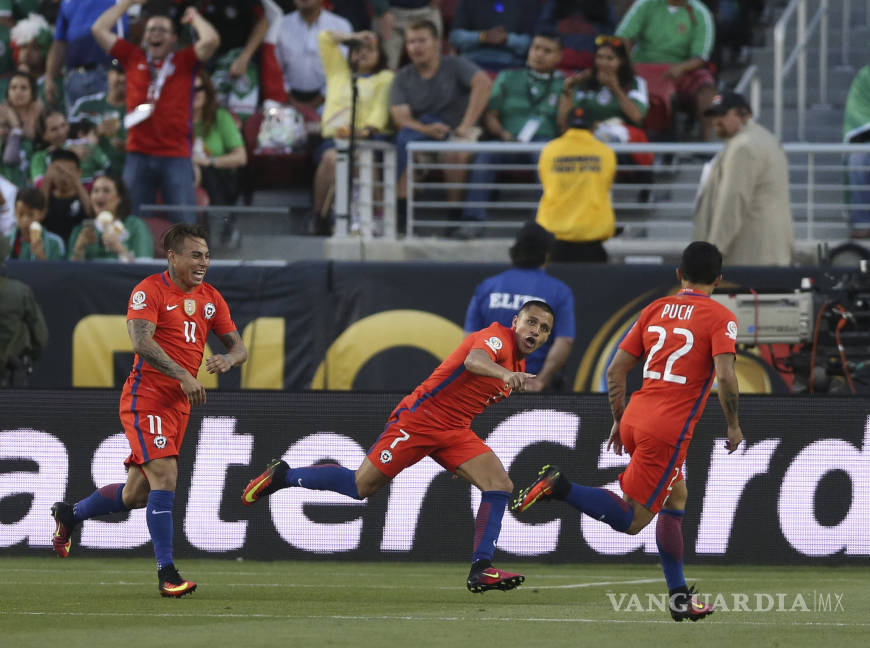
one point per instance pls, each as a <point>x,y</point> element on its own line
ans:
<point>743,201</point>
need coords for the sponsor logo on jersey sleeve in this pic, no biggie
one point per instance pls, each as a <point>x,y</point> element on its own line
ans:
<point>138,301</point>
<point>494,343</point>
<point>732,330</point>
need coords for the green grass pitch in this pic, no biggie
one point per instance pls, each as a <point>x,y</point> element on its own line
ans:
<point>93,602</point>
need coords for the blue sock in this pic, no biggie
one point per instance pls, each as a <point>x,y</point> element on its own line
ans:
<point>669,539</point>
<point>331,477</point>
<point>102,501</point>
<point>158,515</point>
<point>601,504</point>
<point>487,524</point>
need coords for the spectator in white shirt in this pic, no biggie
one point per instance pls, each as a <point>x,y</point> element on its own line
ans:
<point>298,52</point>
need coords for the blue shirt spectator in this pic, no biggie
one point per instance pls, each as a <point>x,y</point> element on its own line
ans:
<point>495,35</point>
<point>75,49</point>
<point>498,298</point>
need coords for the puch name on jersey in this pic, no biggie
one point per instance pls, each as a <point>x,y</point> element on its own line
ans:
<point>509,300</point>
<point>677,311</point>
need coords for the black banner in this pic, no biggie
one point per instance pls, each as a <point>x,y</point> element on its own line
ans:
<point>352,326</point>
<point>797,492</point>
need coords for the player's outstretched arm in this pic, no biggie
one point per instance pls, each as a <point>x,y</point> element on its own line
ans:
<point>236,354</point>
<point>729,396</point>
<point>478,362</point>
<point>141,333</point>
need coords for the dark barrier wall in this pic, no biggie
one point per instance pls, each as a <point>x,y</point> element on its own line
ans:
<point>798,492</point>
<point>361,326</point>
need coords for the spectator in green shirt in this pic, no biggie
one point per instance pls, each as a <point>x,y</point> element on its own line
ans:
<point>29,240</point>
<point>673,41</point>
<point>85,143</point>
<point>123,236</point>
<point>53,131</point>
<point>614,100</point>
<point>522,108</point>
<point>218,150</point>
<point>607,90</point>
<point>107,110</point>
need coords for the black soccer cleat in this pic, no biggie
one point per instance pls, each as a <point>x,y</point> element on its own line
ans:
<point>683,605</point>
<point>171,584</point>
<point>266,483</point>
<point>550,482</point>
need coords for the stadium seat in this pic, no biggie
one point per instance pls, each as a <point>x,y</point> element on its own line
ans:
<point>158,225</point>
<point>273,169</point>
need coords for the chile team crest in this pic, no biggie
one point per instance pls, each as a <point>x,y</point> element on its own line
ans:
<point>190,307</point>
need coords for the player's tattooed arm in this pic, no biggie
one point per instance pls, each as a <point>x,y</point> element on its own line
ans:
<point>142,334</point>
<point>729,392</point>
<point>236,354</point>
<point>236,350</point>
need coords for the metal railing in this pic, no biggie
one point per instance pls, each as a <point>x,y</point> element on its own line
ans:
<point>374,190</point>
<point>656,207</point>
<point>782,67</point>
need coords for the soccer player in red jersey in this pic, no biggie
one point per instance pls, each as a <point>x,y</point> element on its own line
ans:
<point>169,318</point>
<point>435,421</point>
<point>684,337</point>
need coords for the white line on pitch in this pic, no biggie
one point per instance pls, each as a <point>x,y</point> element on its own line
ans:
<point>476,619</point>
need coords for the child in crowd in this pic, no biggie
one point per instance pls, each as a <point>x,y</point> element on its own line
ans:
<point>29,240</point>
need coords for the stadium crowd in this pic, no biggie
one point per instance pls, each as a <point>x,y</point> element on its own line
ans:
<point>271,79</point>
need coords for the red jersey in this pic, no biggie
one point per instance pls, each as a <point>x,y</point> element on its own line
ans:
<point>183,321</point>
<point>452,395</point>
<point>169,131</point>
<point>679,336</point>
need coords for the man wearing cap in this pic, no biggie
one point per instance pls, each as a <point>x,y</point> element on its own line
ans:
<point>577,173</point>
<point>742,205</point>
<point>498,298</point>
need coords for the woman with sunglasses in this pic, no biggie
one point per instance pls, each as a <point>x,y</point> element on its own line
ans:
<point>615,102</point>
<point>218,150</point>
<point>607,90</point>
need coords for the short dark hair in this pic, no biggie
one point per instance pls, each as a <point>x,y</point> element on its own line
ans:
<point>32,197</point>
<point>701,263</point>
<point>531,246</point>
<point>161,13</point>
<point>81,127</point>
<point>66,154</point>
<point>549,35</point>
<point>173,238</point>
<point>544,306</point>
<point>424,24</point>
